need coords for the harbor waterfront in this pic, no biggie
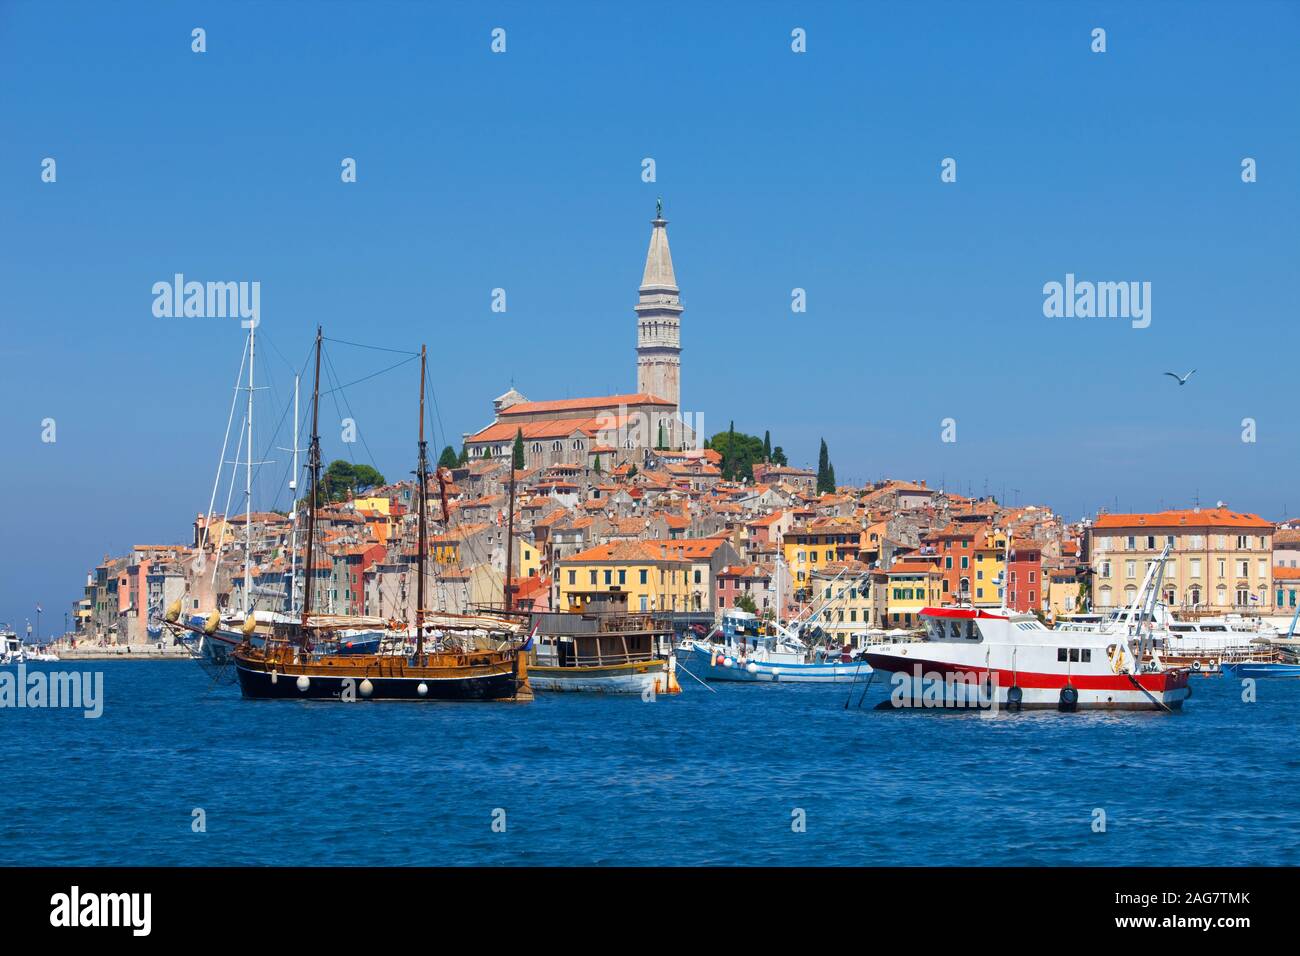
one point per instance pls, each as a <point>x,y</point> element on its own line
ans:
<point>697,778</point>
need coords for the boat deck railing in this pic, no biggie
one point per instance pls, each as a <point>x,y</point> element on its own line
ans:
<point>592,660</point>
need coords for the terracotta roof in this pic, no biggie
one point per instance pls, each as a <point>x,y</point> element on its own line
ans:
<point>626,551</point>
<point>755,570</point>
<point>1205,518</point>
<point>582,404</point>
<point>912,567</point>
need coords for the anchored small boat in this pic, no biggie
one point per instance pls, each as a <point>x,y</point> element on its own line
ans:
<point>603,654</point>
<point>750,650</point>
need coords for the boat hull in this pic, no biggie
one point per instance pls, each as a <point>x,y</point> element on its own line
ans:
<point>285,683</point>
<point>925,684</point>
<point>702,663</point>
<point>1242,669</point>
<point>629,678</point>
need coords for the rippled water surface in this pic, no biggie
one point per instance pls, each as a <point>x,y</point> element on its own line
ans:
<point>705,778</point>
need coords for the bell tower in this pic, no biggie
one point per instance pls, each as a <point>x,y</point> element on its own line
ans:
<point>658,320</point>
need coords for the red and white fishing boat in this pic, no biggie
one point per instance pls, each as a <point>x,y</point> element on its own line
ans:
<point>971,657</point>
<point>974,658</point>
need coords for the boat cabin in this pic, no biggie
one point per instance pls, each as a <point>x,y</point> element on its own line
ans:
<point>598,640</point>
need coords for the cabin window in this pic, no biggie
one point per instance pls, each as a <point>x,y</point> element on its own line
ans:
<point>1085,655</point>
<point>954,628</point>
<point>1074,654</point>
<point>1061,654</point>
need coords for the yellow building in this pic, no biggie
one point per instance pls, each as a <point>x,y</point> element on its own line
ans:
<point>649,576</point>
<point>988,570</point>
<point>1220,560</point>
<point>817,543</point>
<point>527,559</point>
<point>376,503</point>
<point>912,586</point>
<point>1063,592</point>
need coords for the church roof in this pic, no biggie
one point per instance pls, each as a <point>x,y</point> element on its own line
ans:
<point>551,428</point>
<point>584,404</point>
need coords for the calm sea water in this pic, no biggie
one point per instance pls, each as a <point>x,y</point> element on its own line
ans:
<point>700,779</point>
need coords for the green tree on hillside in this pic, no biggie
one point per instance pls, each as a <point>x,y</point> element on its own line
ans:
<point>739,453</point>
<point>448,458</point>
<point>342,480</point>
<point>825,471</point>
<point>519,450</point>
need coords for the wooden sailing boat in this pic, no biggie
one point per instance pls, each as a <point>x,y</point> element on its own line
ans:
<point>289,663</point>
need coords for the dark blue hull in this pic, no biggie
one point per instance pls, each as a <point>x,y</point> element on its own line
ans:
<point>259,684</point>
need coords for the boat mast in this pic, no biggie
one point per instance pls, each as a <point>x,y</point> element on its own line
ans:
<point>248,485</point>
<point>422,477</point>
<point>313,465</point>
<point>293,515</point>
<point>510,538</point>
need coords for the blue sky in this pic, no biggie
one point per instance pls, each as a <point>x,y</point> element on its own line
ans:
<point>522,171</point>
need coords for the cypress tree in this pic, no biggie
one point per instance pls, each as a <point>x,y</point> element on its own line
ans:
<point>825,470</point>
<point>729,456</point>
<point>767,446</point>
<point>519,450</point>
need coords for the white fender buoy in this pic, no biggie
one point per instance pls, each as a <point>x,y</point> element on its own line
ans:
<point>752,667</point>
<point>776,673</point>
<point>366,688</point>
<point>275,678</point>
<point>728,663</point>
<point>422,689</point>
<point>303,683</point>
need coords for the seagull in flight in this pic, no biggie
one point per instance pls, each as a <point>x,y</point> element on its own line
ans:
<point>1182,379</point>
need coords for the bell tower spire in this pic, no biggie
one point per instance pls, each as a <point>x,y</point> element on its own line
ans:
<point>658,322</point>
